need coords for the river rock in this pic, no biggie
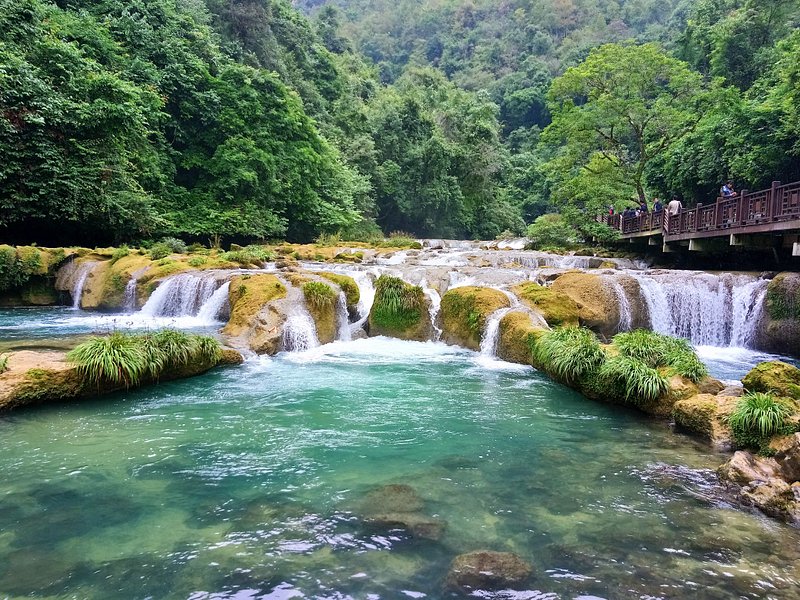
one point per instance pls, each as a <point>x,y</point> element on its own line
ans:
<point>417,524</point>
<point>487,570</point>
<point>516,337</point>
<point>556,307</point>
<point>709,385</point>
<point>745,468</point>
<point>704,415</point>
<point>775,498</point>
<point>256,321</point>
<point>598,305</point>
<point>787,455</point>
<point>778,330</point>
<point>399,506</point>
<point>776,377</point>
<point>464,312</point>
<point>395,497</point>
<point>732,391</point>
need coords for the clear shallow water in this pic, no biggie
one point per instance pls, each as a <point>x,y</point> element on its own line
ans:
<point>249,483</point>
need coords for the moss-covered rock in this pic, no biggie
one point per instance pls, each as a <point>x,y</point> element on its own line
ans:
<point>598,305</point>
<point>255,322</point>
<point>348,285</point>
<point>705,416</point>
<point>487,570</point>
<point>779,329</point>
<point>320,300</point>
<point>775,377</point>
<point>516,338</point>
<point>556,307</point>
<point>464,312</point>
<point>400,310</point>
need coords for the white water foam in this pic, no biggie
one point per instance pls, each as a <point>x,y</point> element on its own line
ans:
<point>377,350</point>
<point>342,318</point>
<point>433,309</point>
<point>210,310</point>
<point>299,331</point>
<point>180,296</point>
<point>83,272</point>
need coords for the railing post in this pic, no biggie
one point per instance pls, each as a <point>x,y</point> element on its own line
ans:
<point>775,208</point>
<point>740,208</point>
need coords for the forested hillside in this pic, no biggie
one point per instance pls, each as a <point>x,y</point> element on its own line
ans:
<point>247,120</point>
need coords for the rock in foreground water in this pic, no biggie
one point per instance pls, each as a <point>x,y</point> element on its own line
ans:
<point>487,570</point>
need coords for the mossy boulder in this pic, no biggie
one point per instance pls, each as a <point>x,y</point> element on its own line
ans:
<point>320,300</point>
<point>779,328</point>
<point>39,377</point>
<point>464,312</point>
<point>556,307</point>
<point>598,305</point>
<point>704,415</point>
<point>517,336</point>
<point>775,377</point>
<point>348,285</point>
<point>400,310</point>
<point>256,321</point>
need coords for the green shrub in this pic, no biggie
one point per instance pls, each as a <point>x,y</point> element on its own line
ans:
<point>250,255</point>
<point>657,350</point>
<point>568,353</point>
<point>117,358</point>
<point>319,295</point>
<point>364,231</point>
<point>196,247</point>
<point>398,305</point>
<point>120,252</point>
<point>197,261</point>
<point>400,239</point>
<point>159,251</point>
<point>17,268</point>
<point>551,230</point>
<point>176,245</point>
<point>632,380</point>
<point>756,418</point>
<point>328,239</point>
<point>346,284</point>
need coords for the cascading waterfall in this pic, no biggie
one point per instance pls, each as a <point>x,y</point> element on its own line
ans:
<point>210,310</point>
<point>366,296</point>
<point>73,277</point>
<point>129,305</point>
<point>342,319</point>
<point>182,295</point>
<point>491,331</point>
<point>299,331</point>
<point>707,309</point>
<point>623,305</point>
<point>433,309</point>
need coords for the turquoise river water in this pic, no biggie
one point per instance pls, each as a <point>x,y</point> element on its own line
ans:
<point>250,482</point>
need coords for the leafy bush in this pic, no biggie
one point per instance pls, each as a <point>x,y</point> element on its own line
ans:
<point>250,255</point>
<point>632,379</point>
<point>177,245</point>
<point>657,350</point>
<point>551,230</point>
<point>120,252</point>
<point>318,294</point>
<point>16,267</point>
<point>400,239</point>
<point>397,305</point>
<point>197,247</point>
<point>568,353</point>
<point>365,230</point>
<point>756,418</point>
<point>197,261</point>
<point>123,359</point>
<point>159,251</point>
<point>328,239</point>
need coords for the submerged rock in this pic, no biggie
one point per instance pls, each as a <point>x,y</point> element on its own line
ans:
<point>395,497</point>
<point>487,570</point>
<point>399,506</point>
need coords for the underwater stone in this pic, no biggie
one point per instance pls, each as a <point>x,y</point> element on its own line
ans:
<point>487,570</point>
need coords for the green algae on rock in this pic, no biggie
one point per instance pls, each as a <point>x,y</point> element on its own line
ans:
<point>556,307</point>
<point>399,310</point>
<point>775,377</point>
<point>464,312</point>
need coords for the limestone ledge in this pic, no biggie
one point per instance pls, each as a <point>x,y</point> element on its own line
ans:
<point>40,377</point>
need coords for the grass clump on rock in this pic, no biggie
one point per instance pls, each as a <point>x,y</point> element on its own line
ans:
<point>249,255</point>
<point>757,417</point>
<point>568,353</point>
<point>398,305</point>
<point>657,350</point>
<point>346,284</point>
<point>632,379</point>
<point>556,307</point>
<point>319,295</point>
<point>125,359</point>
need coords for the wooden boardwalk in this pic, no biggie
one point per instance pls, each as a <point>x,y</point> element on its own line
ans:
<point>773,211</point>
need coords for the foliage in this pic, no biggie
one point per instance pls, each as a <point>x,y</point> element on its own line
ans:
<point>120,252</point>
<point>17,266</point>
<point>757,417</point>
<point>551,230</point>
<point>176,246</point>
<point>568,353</point>
<point>638,382</point>
<point>197,261</point>
<point>319,295</point>
<point>3,363</point>
<point>397,304</point>
<point>658,350</point>
<point>346,284</point>
<point>159,251</point>
<point>249,255</point>
<point>124,359</point>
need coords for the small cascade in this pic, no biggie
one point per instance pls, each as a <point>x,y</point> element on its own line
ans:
<point>129,304</point>
<point>73,277</point>
<point>342,319</point>
<point>299,331</point>
<point>705,308</point>
<point>182,295</point>
<point>433,310</point>
<point>623,304</point>
<point>210,310</point>
<point>366,291</point>
<point>491,331</point>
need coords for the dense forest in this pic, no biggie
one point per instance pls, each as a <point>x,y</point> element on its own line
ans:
<point>254,119</point>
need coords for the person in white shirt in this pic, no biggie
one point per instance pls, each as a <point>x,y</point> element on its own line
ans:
<point>675,206</point>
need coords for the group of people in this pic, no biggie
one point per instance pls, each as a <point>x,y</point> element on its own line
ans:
<point>674,206</point>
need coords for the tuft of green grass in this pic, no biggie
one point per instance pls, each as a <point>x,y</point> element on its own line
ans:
<point>197,261</point>
<point>319,295</point>
<point>249,255</point>
<point>397,305</point>
<point>117,358</point>
<point>120,252</point>
<point>757,417</point>
<point>632,380</point>
<point>3,363</point>
<point>159,251</point>
<point>569,353</point>
<point>657,350</point>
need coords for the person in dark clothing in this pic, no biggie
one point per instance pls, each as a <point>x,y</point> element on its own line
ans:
<point>643,207</point>
<point>657,206</point>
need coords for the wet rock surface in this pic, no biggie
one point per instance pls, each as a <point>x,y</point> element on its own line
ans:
<point>399,506</point>
<point>487,570</point>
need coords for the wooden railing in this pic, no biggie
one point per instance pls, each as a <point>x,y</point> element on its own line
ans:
<point>749,210</point>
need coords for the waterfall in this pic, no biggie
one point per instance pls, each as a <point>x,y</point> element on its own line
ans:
<point>707,309</point>
<point>433,310</point>
<point>491,332</point>
<point>623,304</point>
<point>211,308</point>
<point>366,296</point>
<point>299,331</point>
<point>73,277</point>
<point>182,295</point>
<point>129,304</point>
<point>342,318</point>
